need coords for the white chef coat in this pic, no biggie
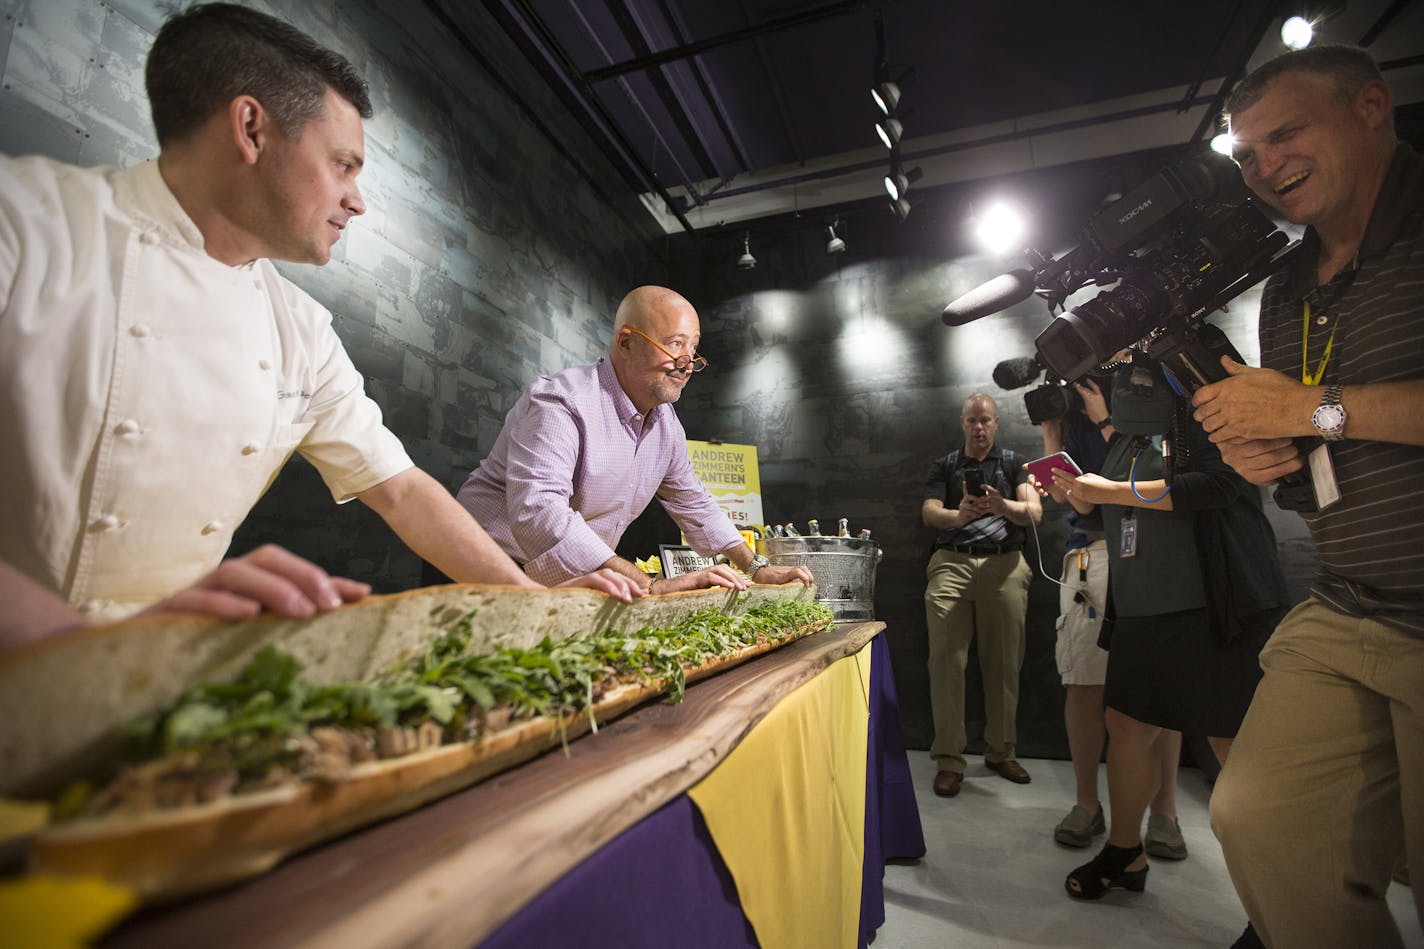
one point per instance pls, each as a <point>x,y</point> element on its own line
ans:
<point>148,393</point>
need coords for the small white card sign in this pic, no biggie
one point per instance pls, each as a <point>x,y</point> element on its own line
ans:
<point>678,559</point>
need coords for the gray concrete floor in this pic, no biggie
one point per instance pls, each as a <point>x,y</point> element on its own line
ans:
<point>993,875</point>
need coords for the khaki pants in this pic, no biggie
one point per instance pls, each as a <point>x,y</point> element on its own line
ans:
<point>969,596</point>
<point>1324,786</point>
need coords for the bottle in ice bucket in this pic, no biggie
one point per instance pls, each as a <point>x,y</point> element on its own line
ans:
<point>777,530</point>
<point>791,530</point>
<point>813,528</point>
<point>865,533</point>
<point>843,527</point>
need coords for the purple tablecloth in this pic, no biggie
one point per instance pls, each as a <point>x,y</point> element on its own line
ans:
<point>662,882</point>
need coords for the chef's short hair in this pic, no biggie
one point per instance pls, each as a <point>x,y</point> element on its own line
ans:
<point>210,54</point>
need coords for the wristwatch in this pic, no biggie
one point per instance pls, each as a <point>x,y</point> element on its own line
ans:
<point>1330,417</point>
<point>757,563</point>
<point>1107,420</point>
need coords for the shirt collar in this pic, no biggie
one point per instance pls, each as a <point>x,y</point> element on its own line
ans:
<point>142,192</point>
<point>1400,195</point>
<point>964,455</point>
<point>608,381</point>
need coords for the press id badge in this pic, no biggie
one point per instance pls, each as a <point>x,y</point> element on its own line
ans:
<point>1322,477</point>
<point>1128,548</point>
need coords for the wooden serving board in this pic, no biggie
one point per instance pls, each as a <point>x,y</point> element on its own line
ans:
<point>174,853</point>
<point>449,874</point>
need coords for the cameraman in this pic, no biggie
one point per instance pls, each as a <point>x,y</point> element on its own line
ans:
<point>1084,432</point>
<point>1326,786</point>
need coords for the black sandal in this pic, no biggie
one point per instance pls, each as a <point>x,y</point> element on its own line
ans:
<point>1105,871</point>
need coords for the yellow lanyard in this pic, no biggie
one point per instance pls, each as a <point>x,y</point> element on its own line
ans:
<point>1305,374</point>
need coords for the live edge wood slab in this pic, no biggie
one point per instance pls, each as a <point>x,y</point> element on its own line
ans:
<point>451,872</point>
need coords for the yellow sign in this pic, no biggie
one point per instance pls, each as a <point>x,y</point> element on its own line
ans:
<point>730,474</point>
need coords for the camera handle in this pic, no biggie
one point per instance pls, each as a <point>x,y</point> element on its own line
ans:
<point>1193,362</point>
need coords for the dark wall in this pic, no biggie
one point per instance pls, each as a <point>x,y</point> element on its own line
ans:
<point>840,370</point>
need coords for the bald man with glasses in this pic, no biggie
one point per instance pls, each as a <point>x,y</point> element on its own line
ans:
<point>584,451</point>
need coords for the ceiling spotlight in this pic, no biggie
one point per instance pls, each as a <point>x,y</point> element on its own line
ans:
<point>746,261</point>
<point>901,207</point>
<point>889,130</point>
<point>898,182</point>
<point>886,95</point>
<point>1000,229</point>
<point>834,245</point>
<point>1297,32</point>
<point>1223,144</point>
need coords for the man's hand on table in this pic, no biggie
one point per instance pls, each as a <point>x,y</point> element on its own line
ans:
<point>609,581</point>
<point>774,574</point>
<point>722,575</point>
<point>269,579</point>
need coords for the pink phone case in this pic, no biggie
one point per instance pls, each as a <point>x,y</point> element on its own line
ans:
<point>1042,468</point>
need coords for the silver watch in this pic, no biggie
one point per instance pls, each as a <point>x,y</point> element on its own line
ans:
<point>757,563</point>
<point>1330,416</point>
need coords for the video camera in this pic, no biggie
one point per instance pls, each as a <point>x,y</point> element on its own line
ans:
<point>1179,246</point>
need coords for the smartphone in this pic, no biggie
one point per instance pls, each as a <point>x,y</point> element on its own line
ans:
<point>974,483</point>
<point>1042,468</point>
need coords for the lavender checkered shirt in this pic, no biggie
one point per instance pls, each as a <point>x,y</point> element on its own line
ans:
<point>573,466</point>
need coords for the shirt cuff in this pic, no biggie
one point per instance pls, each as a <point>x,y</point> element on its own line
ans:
<point>578,553</point>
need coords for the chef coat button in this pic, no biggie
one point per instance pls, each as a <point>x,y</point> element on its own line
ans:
<point>106,522</point>
<point>264,364</point>
<point>139,329</point>
<point>250,448</point>
<point>212,527</point>
<point>148,237</point>
<point>257,284</point>
<point>127,427</point>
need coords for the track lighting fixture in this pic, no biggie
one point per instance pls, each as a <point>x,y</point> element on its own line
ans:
<point>889,129</point>
<point>901,207</point>
<point>746,261</point>
<point>834,245</point>
<point>899,181</point>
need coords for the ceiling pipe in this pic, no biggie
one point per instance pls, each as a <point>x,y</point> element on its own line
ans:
<point>735,36</point>
<point>581,90</point>
<point>1218,101</point>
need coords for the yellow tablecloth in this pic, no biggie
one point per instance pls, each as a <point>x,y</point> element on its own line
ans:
<point>786,810</point>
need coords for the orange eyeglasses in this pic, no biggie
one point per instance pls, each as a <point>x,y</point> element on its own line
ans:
<point>696,362</point>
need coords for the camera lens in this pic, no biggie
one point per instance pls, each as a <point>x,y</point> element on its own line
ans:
<point>1089,334</point>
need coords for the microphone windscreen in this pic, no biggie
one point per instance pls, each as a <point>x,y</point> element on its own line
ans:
<point>1016,373</point>
<point>998,294</point>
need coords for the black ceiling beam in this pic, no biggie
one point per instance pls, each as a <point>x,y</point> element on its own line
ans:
<point>1385,18</point>
<point>934,152</point>
<point>709,91</point>
<point>724,39</point>
<point>677,110</point>
<point>580,88</point>
<point>1264,21</point>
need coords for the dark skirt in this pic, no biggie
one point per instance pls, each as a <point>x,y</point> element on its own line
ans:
<point>1174,672</point>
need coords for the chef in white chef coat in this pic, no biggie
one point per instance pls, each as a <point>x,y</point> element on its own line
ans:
<point>156,371</point>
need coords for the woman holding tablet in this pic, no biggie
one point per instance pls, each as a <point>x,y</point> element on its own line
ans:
<point>1174,661</point>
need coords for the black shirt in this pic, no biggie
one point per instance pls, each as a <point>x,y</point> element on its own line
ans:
<point>947,485</point>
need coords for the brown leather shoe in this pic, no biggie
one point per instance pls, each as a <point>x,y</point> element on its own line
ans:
<point>946,783</point>
<point>1011,770</point>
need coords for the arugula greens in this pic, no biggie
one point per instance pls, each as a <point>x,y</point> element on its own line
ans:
<point>269,722</point>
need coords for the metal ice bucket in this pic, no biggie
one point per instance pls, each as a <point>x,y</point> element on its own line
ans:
<point>844,568</point>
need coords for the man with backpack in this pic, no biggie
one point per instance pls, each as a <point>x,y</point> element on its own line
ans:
<point>979,500</point>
